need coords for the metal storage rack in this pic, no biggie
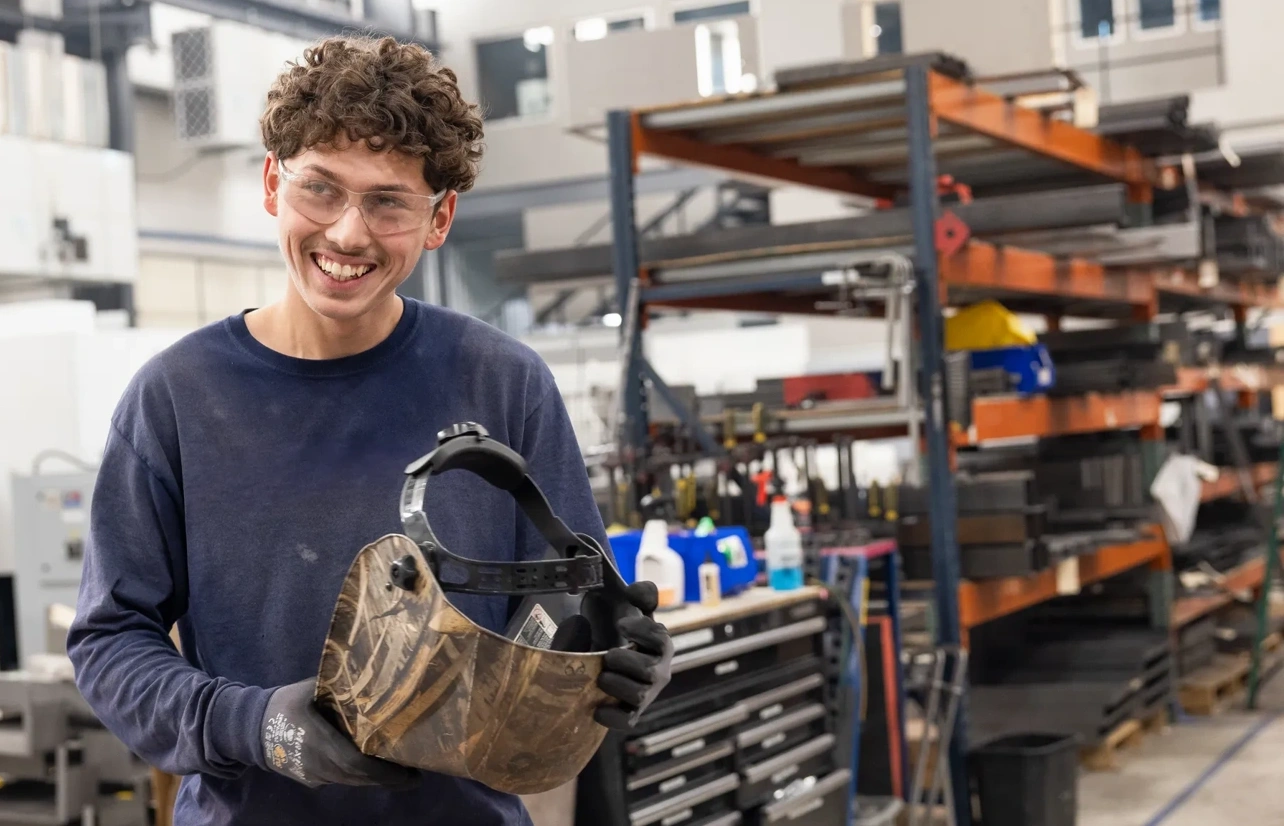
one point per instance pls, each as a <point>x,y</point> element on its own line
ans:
<point>885,129</point>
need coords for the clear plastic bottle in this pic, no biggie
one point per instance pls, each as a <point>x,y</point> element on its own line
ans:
<point>784,548</point>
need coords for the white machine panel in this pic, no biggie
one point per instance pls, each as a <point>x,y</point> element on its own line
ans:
<point>51,522</point>
<point>79,219</point>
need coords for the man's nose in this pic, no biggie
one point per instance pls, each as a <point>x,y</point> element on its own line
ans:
<point>350,231</point>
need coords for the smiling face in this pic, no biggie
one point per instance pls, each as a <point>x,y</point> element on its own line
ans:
<point>347,268</point>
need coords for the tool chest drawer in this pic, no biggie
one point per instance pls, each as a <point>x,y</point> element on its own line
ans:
<point>683,740</point>
<point>824,804</point>
<point>707,667</point>
<point>774,777</point>
<point>717,633</point>
<point>744,686</point>
<point>681,772</point>
<point>770,704</point>
<point>703,802</point>
<point>766,740</point>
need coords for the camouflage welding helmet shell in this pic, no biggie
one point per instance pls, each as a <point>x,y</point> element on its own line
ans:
<point>414,681</point>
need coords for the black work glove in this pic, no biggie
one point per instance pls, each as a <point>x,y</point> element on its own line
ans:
<point>635,675</point>
<point>302,745</point>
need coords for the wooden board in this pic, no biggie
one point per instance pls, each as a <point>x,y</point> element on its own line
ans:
<point>753,601</point>
<point>1106,755</point>
<point>1215,687</point>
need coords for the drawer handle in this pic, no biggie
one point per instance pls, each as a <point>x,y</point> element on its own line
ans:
<point>808,809</point>
<point>723,669</point>
<point>784,774</point>
<point>675,783</point>
<point>671,820</point>
<point>689,748</point>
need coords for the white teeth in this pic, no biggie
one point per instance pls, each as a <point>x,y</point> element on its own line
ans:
<point>341,272</point>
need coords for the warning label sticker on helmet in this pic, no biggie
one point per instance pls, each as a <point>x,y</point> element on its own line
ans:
<point>538,630</point>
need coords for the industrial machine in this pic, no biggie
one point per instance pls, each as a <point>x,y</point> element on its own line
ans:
<point>51,519</point>
<point>58,763</point>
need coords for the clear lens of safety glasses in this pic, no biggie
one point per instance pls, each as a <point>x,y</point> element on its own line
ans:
<point>385,213</point>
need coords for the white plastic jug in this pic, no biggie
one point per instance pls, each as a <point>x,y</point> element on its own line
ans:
<point>658,563</point>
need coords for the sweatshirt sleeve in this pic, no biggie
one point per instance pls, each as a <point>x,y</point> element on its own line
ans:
<point>133,588</point>
<point>556,462</point>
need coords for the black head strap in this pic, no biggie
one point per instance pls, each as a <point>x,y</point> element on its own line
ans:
<point>469,447</point>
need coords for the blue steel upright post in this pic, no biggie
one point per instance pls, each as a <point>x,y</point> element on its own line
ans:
<point>942,509</point>
<point>626,266</point>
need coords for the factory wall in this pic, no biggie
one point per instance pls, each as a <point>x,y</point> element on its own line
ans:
<point>970,31</point>
<point>1246,108</point>
<point>639,67</point>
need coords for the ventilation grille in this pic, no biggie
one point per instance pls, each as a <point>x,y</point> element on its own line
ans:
<point>194,113</point>
<point>192,61</point>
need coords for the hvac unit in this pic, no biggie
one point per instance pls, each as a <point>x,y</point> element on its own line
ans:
<point>222,73</point>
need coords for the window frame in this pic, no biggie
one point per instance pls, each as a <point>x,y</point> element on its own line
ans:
<point>873,16</point>
<point>1138,33</point>
<point>548,115</point>
<point>647,13</point>
<point>1074,20</point>
<point>689,5</point>
<point>1198,24</point>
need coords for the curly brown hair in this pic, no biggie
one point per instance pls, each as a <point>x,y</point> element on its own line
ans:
<point>391,95</point>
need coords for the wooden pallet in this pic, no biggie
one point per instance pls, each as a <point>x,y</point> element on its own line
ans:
<point>1106,755</point>
<point>1218,686</point>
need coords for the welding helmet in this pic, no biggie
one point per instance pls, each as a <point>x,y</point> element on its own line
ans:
<point>414,681</point>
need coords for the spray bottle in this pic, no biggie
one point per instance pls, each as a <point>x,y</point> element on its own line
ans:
<point>784,548</point>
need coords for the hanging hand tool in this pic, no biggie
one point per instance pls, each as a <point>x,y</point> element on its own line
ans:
<point>759,415</point>
<point>729,440</point>
<point>875,501</point>
<point>891,497</point>
<point>762,480</point>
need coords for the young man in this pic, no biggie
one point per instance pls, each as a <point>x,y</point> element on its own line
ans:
<point>248,463</point>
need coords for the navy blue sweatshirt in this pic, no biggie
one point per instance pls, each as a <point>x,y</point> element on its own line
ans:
<point>236,487</point>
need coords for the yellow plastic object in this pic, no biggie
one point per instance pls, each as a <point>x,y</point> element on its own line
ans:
<point>986,326</point>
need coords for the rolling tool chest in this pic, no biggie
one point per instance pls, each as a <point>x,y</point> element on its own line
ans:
<point>743,734</point>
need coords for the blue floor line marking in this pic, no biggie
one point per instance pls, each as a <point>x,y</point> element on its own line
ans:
<point>1225,757</point>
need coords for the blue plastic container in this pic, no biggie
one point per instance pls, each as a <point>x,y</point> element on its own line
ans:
<point>737,567</point>
<point>1031,365</point>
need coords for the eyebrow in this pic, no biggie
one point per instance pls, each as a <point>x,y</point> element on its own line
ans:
<point>325,173</point>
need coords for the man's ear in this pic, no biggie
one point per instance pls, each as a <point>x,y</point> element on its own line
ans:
<point>271,183</point>
<point>441,221</point>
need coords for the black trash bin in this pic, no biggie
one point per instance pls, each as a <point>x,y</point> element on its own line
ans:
<point>1028,780</point>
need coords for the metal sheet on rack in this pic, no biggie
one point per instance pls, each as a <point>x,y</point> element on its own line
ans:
<point>1087,206</point>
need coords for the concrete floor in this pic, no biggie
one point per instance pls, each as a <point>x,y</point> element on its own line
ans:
<point>1202,771</point>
